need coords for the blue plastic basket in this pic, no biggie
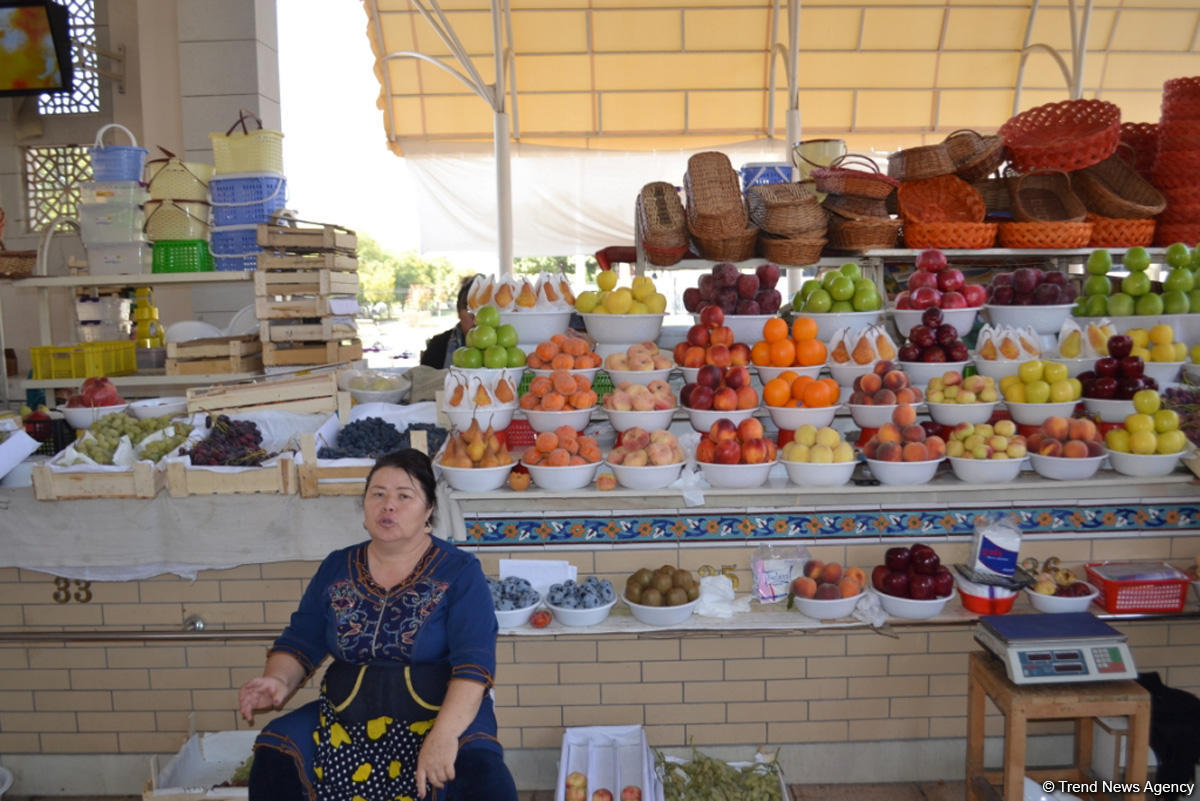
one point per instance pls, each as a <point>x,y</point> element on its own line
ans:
<point>237,262</point>
<point>234,240</point>
<point>246,199</point>
<point>117,162</point>
<point>757,173</point>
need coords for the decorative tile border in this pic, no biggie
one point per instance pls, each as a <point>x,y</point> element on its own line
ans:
<point>701,527</point>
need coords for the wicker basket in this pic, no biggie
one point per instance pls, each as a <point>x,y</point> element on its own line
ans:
<point>735,248</point>
<point>957,235</point>
<point>16,263</point>
<point>1142,139</point>
<point>994,192</point>
<point>793,251</point>
<point>839,179</point>
<point>1068,135</point>
<point>1179,135</point>
<point>854,207</point>
<point>1045,235</point>
<point>944,199</point>
<point>1113,188</point>
<point>915,163</point>
<point>860,235</point>
<point>975,156</point>
<point>1112,232</point>
<point>661,217</point>
<point>786,210</point>
<point>1169,233</point>
<point>716,207</point>
<point>1045,197</point>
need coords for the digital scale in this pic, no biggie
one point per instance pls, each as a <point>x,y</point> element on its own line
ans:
<point>1052,648</point>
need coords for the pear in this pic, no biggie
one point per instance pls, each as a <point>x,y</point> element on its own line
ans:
<point>504,391</point>
<point>884,346</point>
<point>482,397</point>
<point>988,350</point>
<point>1071,346</point>
<point>476,450</point>
<point>863,352</point>
<point>548,292</point>
<point>564,289</point>
<point>473,433</point>
<point>456,397</point>
<point>481,294</point>
<point>504,296</point>
<point>1010,349</point>
<point>526,298</point>
<point>492,439</point>
<point>1031,347</point>
<point>503,456</point>
<point>840,354</point>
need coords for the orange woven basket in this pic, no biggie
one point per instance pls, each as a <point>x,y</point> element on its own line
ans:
<point>944,199</point>
<point>1113,232</point>
<point>1045,235</point>
<point>956,235</point>
<point>1180,213</point>
<point>838,179</point>
<point>1169,234</point>
<point>1068,135</point>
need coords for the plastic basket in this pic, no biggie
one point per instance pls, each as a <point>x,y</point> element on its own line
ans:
<point>1142,138</point>
<point>182,256</point>
<point>175,179</point>
<point>1137,597</point>
<point>85,360</point>
<point>117,162</point>
<point>760,173</point>
<point>247,199</point>
<point>234,240</point>
<point>519,435</point>
<point>110,223</point>
<point>943,199</point>
<point>236,262</point>
<point>1166,234</point>
<point>246,150</point>
<point>120,258</point>
<point>123,193</point>
<point>1068,135</point>
<point>54,435</point>
<point>950,235</point>
<point>176,219</point>
<point>1045,235</point>
<point>1114,232</point>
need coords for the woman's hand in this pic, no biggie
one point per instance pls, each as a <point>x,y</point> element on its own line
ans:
<point>264,692</point>
<point>435,763</point>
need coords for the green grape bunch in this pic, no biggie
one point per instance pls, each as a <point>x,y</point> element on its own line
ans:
<point>106,435</point>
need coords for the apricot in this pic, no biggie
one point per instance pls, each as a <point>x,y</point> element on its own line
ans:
<point>529,401</point>
<point>569,444</point>
<point>1057,427</point>
<point>590,452</point>
<point>546,351</point>
<point>559,457</point>
<point>565,432</point>
<point>534,362</point>
<point>1075,449</point>
<point>1082,428</point>
<point>546,441</point>
<point>915,452</point>
<point>559,339</point>
<point>563,382</point>
<point>532,456</point>
<point>912,433</point>
<point>577,460</point>
<point>849,587</point>
<point>936,447</point>
<point>606,481</point>
<point>518,481</point>
<point>553,402</point>
<point>540,385</point>
<point>904,415</point>
<point>888,432</point>
<point>583,400</point>
<point>870,382</point>
<point>575,346</point>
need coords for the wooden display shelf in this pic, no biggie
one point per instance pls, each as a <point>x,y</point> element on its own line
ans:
<point>314,237</point>
<point>306,394</point>
<point>316,306</point>
<point>307,261</point>
<point>143,480</point>
<point>240,354</point>
<point>317,480</point>
<point>310,353</point>
<point>276,479</point>
<point>305,282</point>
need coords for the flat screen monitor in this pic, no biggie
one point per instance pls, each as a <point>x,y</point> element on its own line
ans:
<point>35,47</point>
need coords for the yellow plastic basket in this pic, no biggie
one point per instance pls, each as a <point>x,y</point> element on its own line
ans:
<point>174,179</point>
<point>247,151</point>
<point>85,360</point>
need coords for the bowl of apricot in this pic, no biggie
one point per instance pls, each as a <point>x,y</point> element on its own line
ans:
<point>563,352</point>
<point>551,396</point>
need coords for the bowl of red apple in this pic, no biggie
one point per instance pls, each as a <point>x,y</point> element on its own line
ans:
<point>1030,296</point>
<point>931,348</point>
<point>935,284</point>
<point>718,393</point>
<point>912,582</point>
<point>736,455</point>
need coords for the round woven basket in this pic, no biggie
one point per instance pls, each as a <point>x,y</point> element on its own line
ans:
<point>975,156</point>
<point>1142,138</point>
<point>1045,197</point>
<point>1179,135</point>
<point>915,163</point>
<point>1045,235</point>
<point>786,209</point>
<point>1169,181</point>
<point>1169,234</point>
<point>1187,88</point>
<point>994,192</point>
<point>950,235</point>
<point>1110,232</point>
<point>840,179</point>
<point>943,199</point>
<point>1113,188</point>
<point>860,235</point>
<point>854,207</point>
<point>793,251</point>
<point>1068,135</point>
<point>1186,195</point>
<point>735,248</point>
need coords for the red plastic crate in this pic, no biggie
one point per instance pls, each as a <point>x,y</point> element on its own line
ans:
<point>1139,596</point>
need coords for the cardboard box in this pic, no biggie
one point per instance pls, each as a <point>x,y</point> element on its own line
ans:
<point>203,761</point>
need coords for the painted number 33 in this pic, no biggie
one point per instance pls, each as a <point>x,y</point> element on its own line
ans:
<point>62,591</point>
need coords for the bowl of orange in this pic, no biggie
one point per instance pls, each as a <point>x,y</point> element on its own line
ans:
<point>781,349</point>
<point>791,402</point>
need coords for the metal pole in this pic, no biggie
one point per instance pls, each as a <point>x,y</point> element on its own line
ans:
<point>793,82</point>
<point>503,195</point>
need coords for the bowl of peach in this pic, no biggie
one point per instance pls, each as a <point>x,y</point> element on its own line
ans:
<point>827,591</point>
<point>646,460</point>
<point>639,364</point>
<point>649,406</point>
<point>1066,449</point>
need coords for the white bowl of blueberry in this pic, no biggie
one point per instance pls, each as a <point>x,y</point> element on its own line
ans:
<point>583,603</point>
<point>514,600</point>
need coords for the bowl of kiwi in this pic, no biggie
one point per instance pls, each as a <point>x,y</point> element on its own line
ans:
<point>662,597</point>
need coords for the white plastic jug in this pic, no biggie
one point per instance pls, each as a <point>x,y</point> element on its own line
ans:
<point>6,780</point>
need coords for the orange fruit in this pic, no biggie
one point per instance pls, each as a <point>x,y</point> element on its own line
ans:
<point>798,384</point>
<point>817,395</point>
<point>810,352</point>
<point>783,353</point>
<point>789,376</point>
<point>776,392</point>
<point>775,329</point>
<point>760,354</point>
<point>804,328</point>
<point>834,388</point>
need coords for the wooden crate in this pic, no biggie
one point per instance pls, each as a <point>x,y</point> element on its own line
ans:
<point>307,261</point>
<point>296,354</point>
<point>305,282</point>
<point>299,331</point>
<point>317,480</point>
<point>314,306</point>
<point>241,354</point>
<point>310,237</point>
<point>313,393</point>
<point>276,479</point>
<point>143,480</point>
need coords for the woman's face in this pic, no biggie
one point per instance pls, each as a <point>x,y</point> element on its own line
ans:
<point>466,320</point>
<point>395,508</point>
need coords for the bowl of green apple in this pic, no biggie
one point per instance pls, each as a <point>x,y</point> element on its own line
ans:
<point>839,298</point>
<point>490,344</point>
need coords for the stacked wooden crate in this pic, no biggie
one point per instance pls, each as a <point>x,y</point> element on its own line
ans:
<point>306,295</point>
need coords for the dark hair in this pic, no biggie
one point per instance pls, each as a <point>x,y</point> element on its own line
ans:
<point>417,465</point>
<point>464,291</point>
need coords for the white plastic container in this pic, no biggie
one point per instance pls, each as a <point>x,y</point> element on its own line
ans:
<point>126,258</point>
<point>110,223</point>
<point>121,193</point>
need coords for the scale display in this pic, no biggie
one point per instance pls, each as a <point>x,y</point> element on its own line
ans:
<point>1047,648</point>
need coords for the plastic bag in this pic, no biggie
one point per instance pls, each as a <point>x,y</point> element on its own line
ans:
<point>773,567</point>
<point>995,546</point>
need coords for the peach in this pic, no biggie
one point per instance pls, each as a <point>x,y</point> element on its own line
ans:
<point>725,399</point>
<point>739,354</point>
<point>660,453</point>
<point>1082,428</point>
<point>859,398</point>
<point>813,568</point>
<point>723,428</point>
<point>706,450</point>
<point>1050,447</point>
<point>883,397</point>
<point>883,367</point>
<point>1075,449</point>
<point>904,415</point>
<point>849,587</point>
<point>606,481</point>
<point>1057,427</point>
<point>804,587</point>
<point>895,379</point>
<point>857,574</point>
<point>870,383</point>
<point>617,455</point>
<point>936,447</point>
<point>560,457</point>
<point>747,398</point>
<point>912,432</point>
<point>635,438</point>
<point>914,452</point>
<point>908,395</point>
<point>1095,447</point>
<point>1034,441</point>
<point>636,458</point>
<point>889,452</point>
<point>754,451</point>
<point>827,592</point>
<point>888,432</point>
<point>642,402</point>
<point>832,572</point>
<point>871,448</point>
<point>749,429</point>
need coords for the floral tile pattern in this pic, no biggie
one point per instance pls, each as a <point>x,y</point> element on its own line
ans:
<point>907,523</point>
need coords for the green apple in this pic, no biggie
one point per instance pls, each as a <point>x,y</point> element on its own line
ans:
<point>1120,305</point>
<point>841,288</point>
<point>1137,259</point>
<point>1135,284</point>
<point>495,357</point>
<point>1037,392</point>
<point>1117,439</point>
<point>1148,304</point>
<point>1174,302</point>
<point>467,358</point>
<point>1093,306</point>
<point>1180,278</point>
<point>488,315</point>
<point>841,307</point>
<point>1194,301</point>
<point>851,270</point>
<point>1171,442</point>
<point>481,337</point>
<point>1099,262</point>
<point>1195,263</point>
<point>818,301</point>
<point>1178,255</point>
<point>516,357</point>
<point>829,277</point>
<point>506,335</point>
<point>1030,371</point>
<point>1097,285</point>
<point>866,299</point>
<point>1061,391</point>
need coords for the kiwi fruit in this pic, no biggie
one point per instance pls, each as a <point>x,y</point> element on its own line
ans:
<point>644,576</point>
<point>682,578</point>
<point>668,569</point>
<point>693,592</point>
<point>677,596</point>
<point>651,597</point>
<point>633,591</point>
<point>662,583</point>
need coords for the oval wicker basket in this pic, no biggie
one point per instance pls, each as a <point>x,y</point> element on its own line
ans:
<point>716,207</point>
<point>1045,197</point>
<point>950,235</point>
<point>786,209</point>
<point>1111,232</point>
<point>1068,135</point>
<point>975,156</point>
<point>994,192</point>
<point>944,199</point>
<point>1170,233</point>
<point>792,251</point>
<point>1045,235</point>
<point>916,163</point>
<point>860,235</point>
<point>1113,188</point>
<point>854,207</point>
<point>839,179</point>
<point>734,248</point>
<point>662,223</point>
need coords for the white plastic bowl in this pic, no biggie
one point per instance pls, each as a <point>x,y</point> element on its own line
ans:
<point>623,328</point>
<point>910,608</point>
<point>985,471</point>
<point>84,416</point>
<point>581,617</point>
<point>921,373</point>
<point>702,419</point>
<point>872,416</point>
<point>1145,321</point>
<point>789,418</point>
<point>1043,319</point>
<point>1080,364</point>
<point>377,396</point>
<point>962,319</point>
<point>845,374</point>
<point>496,416</point>
<point>819,474</point>
<point>1062,468</point>
<point>1034,414</point>
<point>158,407</point>
<point>747,328</point>
<point>1162,372</point>
<point>536,326</point>
<point>904,473</point>
<point>562,479</point>
<point>1057,604</point>
<point>1109,410</point>
<point>951,414</point>
<point>827,609</point>
<point>997,368</point>
<point>476,479</point>
<point>768,373</point>
<point>661,615</point>
<point>636,376</point>
<point>510,619</point>
<point>1143,465</point>
<point>489,375</point>
<point>651,420</point>
<point>646,477</point>
<point>587,372</point>
<point>735,476</point>
<point>541,420</point>
<point>1192,369</point>
<point>829,323</point>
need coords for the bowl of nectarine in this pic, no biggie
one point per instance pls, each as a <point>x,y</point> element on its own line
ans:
<point>623,328</point>
<point>1034,414</point>
<point>1066,468</point>
<point>921,373</point>
<point>541,420</point>
<point>789,418</point>
<point>703,419</point>
<point>904,473</point>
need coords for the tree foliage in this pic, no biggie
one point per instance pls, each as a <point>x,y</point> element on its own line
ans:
<point>532,265</point>
<point>405,278</point>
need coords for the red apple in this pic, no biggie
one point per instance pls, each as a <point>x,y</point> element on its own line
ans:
<point>975,294</point>
<point>953,300</point>
<point>897,559</point>
<point>877,576</point>
<point>950,280</point>
<point>925,296</point>
<point>920,279</point>
<point>904,300</point>
<point>933,261</point>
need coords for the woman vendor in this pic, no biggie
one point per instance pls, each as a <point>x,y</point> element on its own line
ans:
<point>406,704</point>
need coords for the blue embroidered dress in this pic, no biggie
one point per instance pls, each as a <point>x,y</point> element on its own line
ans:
<point>434,626</point>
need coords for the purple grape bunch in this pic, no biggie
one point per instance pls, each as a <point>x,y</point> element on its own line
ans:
<point>229,442</point>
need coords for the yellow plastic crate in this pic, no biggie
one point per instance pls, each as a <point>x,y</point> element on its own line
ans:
<point>85,360</point>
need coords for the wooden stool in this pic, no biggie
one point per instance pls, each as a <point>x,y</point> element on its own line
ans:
<point>1019,704</point>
